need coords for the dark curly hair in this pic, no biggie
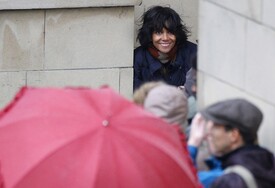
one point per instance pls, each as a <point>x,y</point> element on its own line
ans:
<point>157,18</point>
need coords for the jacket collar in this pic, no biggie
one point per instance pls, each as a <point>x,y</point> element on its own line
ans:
<point>235,156</point>
<point>155,64</point>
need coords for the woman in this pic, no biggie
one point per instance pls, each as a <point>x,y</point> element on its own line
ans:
<point>164,54</point>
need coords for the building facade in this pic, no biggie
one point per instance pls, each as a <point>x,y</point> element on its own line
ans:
<point>236,56</point>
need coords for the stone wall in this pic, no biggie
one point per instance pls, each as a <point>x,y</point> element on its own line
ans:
<point>236,56</point>
<point>66,43</point>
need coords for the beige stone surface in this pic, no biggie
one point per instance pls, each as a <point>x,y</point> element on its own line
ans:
<point>213,90</point>
<point>248,8</point>
<point>260,56</point>
<point>74,78</point>
<point>126,82</point>
<point>266,131</point>
<point>236,56</point>
<point>10,83</point>
<point>46,4</point>
<point>118,79</point>
<point>89,38</point>
<point>269,13</point>
<point>74,47</point>
<point>222,44</point>
<point>22,40</point>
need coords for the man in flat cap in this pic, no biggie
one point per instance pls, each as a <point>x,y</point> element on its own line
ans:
<point>230,128</point>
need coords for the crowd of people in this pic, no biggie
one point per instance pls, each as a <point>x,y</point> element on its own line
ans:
<point>165,68</point>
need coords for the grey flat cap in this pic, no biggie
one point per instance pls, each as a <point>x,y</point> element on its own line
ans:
<point>238,113</point>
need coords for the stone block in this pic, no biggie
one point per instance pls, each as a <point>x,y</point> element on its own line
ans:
<point>212,90</point>
<point>22,40</point>
<point>10,83</point>
<point>222,44</point>
<point>74,78</point>
<point>259,76</point>
<point>139,10</point>
<point>47,4</point>
<point>89,38</point>
<point>268,12</point>
<point>266,130</point>
<point>126,82</point>
<point>248,8</point>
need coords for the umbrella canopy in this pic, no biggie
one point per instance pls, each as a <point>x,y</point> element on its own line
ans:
<point>80,137</point>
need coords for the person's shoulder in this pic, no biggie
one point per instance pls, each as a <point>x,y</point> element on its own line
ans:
<point>189,45</point>
<point>209,176</point>
<point>228,180</point>
<point>188,48</point>
<point>139,50</point>
<point>139,54</point>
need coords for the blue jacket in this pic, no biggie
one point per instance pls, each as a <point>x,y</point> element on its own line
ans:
<point>147,68</point>
<point>215,168</point>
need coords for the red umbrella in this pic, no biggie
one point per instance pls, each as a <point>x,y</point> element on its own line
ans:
<point>83,138</point>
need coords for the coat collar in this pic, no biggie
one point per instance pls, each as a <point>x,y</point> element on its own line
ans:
<point>155,64</point>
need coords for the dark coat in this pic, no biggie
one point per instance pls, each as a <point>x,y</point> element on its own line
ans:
<point>147,68</point>
<point>259,161</point>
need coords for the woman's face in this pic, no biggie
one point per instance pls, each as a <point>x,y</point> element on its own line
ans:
<point>164,41</point>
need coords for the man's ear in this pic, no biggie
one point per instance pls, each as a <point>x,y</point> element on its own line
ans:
<point>236,136</point>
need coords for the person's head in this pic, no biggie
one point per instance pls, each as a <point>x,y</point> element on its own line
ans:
<point>162,28</point>
<point>141,93</point>
<point>231,124</point>
<point>165,101</point>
